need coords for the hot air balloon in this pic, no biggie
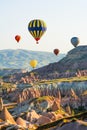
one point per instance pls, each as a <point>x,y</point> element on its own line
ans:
<point>56,51</point>
<point>17,38</point>
<point>37,28</point>
<point>75,41</point>
<point>33,63</point>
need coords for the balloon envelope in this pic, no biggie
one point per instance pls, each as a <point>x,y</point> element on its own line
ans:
<point>33,63</point>
<point>37,28</point>
<point>17,38</point>
<point>75,41</point>
<point>56,51</point>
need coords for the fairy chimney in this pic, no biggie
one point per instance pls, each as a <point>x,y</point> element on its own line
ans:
<point>55,106</point>
<point>1,104</point>
<point>6,116</point>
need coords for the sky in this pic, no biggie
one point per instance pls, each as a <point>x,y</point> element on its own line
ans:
<point>64,19</point>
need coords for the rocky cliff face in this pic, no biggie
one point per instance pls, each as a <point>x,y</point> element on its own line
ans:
<point>75,60</point>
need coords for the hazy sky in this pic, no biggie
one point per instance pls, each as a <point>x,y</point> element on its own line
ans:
<point>64,19</point>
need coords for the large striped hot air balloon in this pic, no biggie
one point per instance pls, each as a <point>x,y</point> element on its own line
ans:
<point>37,28</point>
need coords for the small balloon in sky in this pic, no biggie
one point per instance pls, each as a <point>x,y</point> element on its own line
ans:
<point>75,41</point>
<point>33,63</point>
<point>37,28</point>
<point>56,51</point>
<point>17,38</point>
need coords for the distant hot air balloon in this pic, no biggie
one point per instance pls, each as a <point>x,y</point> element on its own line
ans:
<point>33,63</point>
<point>56,51</point>
<point>75,41</point>
<point>37,28</point>
<point>17,38</point>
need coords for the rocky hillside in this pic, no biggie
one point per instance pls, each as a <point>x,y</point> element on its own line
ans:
<point>19,59</point>
<point>75,60</point>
